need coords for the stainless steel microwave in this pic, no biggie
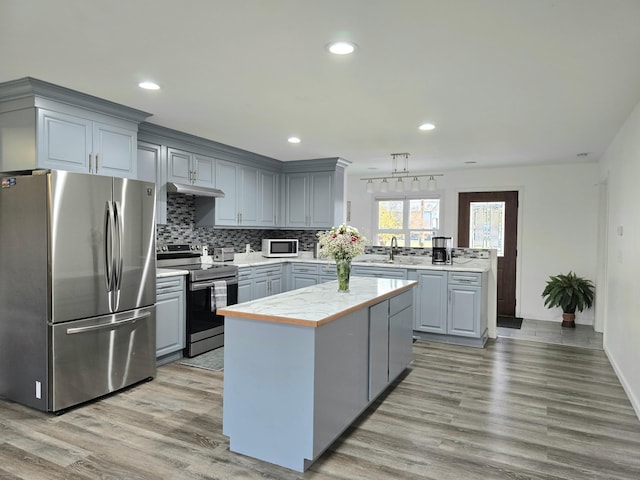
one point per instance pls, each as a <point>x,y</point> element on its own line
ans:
<point>279,247</point>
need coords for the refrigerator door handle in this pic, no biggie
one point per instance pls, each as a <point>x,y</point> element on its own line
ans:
<point>90,328</point>
<point>109,247</point>
<point>118,259</point>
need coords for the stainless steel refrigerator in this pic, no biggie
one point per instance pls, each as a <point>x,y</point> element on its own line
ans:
<point>77,286</point>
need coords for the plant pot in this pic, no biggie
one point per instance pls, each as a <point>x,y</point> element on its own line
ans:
<point>569,320</point>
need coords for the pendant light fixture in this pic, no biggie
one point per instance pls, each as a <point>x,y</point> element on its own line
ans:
<point>399,174</point>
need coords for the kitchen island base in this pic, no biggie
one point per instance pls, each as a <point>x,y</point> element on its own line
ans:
<point>291,389</point>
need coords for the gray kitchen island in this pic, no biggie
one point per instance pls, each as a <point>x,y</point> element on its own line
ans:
<point>301,366</point>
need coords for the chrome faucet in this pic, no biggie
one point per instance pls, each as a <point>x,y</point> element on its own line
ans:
<point>394,247</point>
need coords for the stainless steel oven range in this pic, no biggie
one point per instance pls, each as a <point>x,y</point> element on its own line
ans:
<point>209,286</point>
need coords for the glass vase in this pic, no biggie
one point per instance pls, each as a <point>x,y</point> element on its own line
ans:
<point>343,268</point>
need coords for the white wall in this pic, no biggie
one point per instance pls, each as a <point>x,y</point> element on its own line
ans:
<point>557,223</point>
<point>620,166</point>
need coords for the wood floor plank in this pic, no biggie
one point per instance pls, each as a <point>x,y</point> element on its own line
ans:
<point>514,410</point>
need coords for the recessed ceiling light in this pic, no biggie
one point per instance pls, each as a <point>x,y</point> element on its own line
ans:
<point>427,126</point>
<point>293,140</point>
<point>149,85</point>
<point>341,48</point>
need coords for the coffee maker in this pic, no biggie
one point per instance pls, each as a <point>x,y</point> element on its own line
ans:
<point>441,250</point>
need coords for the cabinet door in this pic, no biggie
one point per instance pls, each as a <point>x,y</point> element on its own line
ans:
<point>321,201</point>
<point>204,171</point>
<point>464,311</point>
<point>170,323</point>
<point>152,168</point>
<point>226,208</point>
<point>248,198</point>
<point>400,341</point>
<point>244,291</point>
<point>378,348</point>
<point>178,166</point>
<point>64,141</point>
<point>260,287</point>
<point>275,285</point>
<point>297,198</point>
<point>267,201</point>
<point>302,280</point>
<point>114,150</point>
<point>431,302</point>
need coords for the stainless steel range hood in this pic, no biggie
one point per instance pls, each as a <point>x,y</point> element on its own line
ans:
<point>194,190</point>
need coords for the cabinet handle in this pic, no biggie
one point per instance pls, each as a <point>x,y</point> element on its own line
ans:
<point>240,215</point>
<point>90,163</point>
<point>96,163</point>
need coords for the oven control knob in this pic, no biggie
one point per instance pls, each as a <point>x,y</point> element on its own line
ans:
<point>195,247</point>
<point>164,248</point>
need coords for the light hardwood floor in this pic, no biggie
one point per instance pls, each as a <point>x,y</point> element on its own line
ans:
<point>514,410</point>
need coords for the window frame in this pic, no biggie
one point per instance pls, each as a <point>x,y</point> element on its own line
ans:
<point>405,215</point>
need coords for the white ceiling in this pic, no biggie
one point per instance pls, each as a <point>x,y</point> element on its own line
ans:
<point>507,82</point>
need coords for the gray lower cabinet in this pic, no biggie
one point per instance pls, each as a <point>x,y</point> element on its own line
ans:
<point>303,275</point>
<point>267,280</point>
<point>245,284</point>
<point>465,315</point>
<point>170,318</point>
<point>379,272</point>
<point>451,306</point>
<point>390,340</point>
<point>430,302</point>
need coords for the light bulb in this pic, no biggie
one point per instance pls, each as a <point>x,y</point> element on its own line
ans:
<point>415,184</point>
<point>384,186</point>
<point>399,185</point>
<point>431,183</point>
<point>370,186</point>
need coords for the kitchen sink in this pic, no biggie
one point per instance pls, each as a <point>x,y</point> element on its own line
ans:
<point>395,261</point>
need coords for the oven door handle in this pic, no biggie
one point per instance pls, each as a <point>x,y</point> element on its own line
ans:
<point>203,285</point>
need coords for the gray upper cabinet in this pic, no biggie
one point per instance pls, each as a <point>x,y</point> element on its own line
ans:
<point>152,168</point>
<point>267,208</point>
<point>315,199</point>
<point>190,168</point>
<point>71,130</point>
<point>239,207</point>
<point>309,196</point>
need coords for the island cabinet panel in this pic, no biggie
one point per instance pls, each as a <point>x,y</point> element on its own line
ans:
<point>378,348</point>
<point>299,397</point>
<point>291,389</point>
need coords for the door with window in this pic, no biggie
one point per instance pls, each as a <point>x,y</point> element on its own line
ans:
<point>490,220</point>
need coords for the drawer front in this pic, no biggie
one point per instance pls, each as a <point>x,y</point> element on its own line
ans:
<point>169,284</point>
<point>400,273</point>
<point>400,302</point>
<point>465,278</point>
<point>305,268</point>
<point>268,270</point>
<point>244,273</point>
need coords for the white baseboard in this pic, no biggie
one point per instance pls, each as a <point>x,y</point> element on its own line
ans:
<point>635,403</point>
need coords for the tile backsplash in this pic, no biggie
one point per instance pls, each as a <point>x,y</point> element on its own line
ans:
<point>180,228</point>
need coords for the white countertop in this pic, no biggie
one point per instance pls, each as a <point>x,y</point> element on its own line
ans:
<point>400,261</point>
<point>319,304</point>
<point>460,264</point>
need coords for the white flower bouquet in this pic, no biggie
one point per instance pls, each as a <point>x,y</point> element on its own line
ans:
<point>343,242</point>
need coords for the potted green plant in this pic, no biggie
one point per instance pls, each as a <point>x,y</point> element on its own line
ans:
<point>570,293</point>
